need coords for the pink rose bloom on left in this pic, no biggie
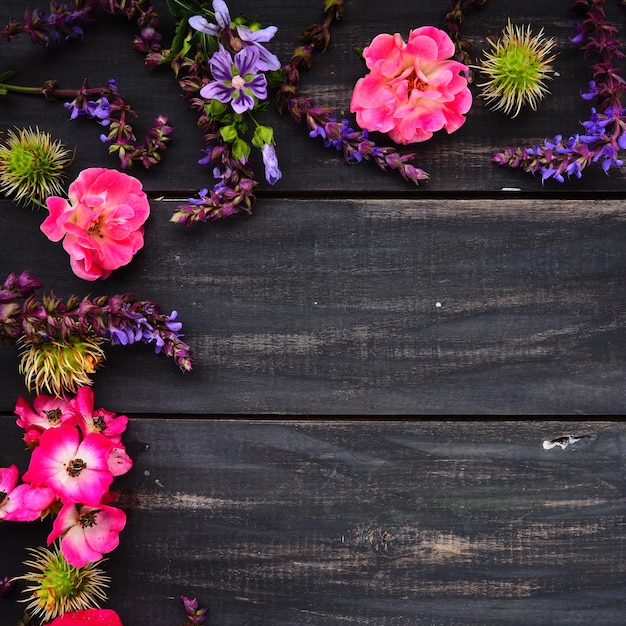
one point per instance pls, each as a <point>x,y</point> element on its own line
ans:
<point>101,224</point>
<point>413,89</point>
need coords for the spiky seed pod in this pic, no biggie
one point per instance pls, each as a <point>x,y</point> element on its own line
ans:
<point>56,587</point>
<point>32,165</point>
<point>516,68</point>
<point>60,367</point>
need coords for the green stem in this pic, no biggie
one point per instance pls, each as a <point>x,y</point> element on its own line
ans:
<point>4,87</point>
<point>62,93</point>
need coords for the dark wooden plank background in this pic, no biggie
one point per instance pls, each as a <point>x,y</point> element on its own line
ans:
<point>330,307</point>
<point>325,303</point>
<point>381,522</point>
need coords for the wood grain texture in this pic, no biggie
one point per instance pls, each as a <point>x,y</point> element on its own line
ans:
<point>386,523</point>
<point>331,307</point>
<point>349,292</point>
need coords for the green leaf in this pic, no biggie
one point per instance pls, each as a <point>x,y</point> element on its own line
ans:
<point>178,42</point>
<point>262,135</point>
<point>275,78</point>
<point>229,133</point>
<point>215,110</point>
<point>240,149</point>
<point>6,75</point>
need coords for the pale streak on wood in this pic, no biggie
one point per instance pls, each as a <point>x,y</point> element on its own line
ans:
<point>527,209</point>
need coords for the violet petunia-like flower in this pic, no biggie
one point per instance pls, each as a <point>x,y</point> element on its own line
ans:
<point>249,37</point>
<point>222,17</point>
<point>238,82</point>
<point>87,533</point>
<point>254,38</point>
<point>76,470</point>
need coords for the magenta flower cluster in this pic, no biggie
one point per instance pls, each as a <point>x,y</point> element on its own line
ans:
<point>77,451</point>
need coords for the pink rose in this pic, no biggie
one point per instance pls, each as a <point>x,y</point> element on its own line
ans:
<point>413,89</point>
<point>102,224</point>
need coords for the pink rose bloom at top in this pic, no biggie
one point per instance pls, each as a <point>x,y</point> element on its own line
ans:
<point>413,89</point>
<point>102,224</point>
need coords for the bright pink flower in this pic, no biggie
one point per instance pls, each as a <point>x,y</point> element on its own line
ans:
<point>8,480</point>
<point>27,503</point>
<point>101,421</point>
<point>88,617</point>
<point>21,503</point>
<point>77,470</point>
<point>119,462</point>
<point>87,533</point>
<point>102,224</point>
<point>413,89</point>
<point>46,412</point>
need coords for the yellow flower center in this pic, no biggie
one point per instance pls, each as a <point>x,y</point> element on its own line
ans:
<point>415,83</point>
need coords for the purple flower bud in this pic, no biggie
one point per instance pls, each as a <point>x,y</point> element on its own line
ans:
<point>6,586</point>
<point>270,160</point>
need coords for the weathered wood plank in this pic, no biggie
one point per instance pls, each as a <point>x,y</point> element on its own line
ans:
<point>457,163</point>
<point>386,523</point>
<point>331,307</point>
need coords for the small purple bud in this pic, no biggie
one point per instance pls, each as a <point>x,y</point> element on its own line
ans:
<point>6,586</point>
<point>270,160</point>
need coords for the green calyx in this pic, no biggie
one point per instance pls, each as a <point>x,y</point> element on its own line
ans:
<point>32,165</point>
<point>515,70</point>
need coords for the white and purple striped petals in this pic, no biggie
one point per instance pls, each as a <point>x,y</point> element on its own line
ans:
<point>270,161</point>
<point>217,91</point>
<point>221,65</point>
<point>236,83</point>
<point>267,60</point>
<point>258,86</point>
<point>262,34</point>
<point>199,23</point>
<point>242,101</point>
<point>246,61</point>
<point>222,15</point>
